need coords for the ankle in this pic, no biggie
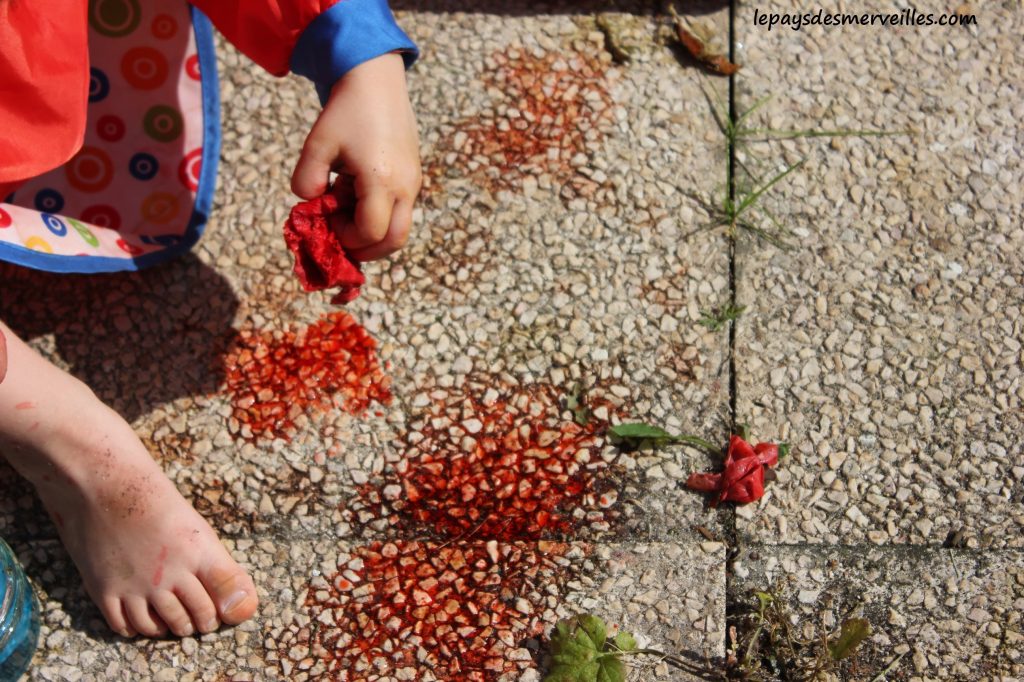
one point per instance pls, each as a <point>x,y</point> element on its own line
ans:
<point>65,436</point>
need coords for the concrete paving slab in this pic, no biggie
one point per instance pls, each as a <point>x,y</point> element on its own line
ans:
<point>334,610</point>
<point>950,614</point>
<point>544,257</point>
<point>886,346</point>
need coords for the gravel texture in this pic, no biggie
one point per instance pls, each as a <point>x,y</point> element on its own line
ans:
<point>887,347</point>
<point>528,272</point>
<point>950,614</point>
<point>660,592</point>
<point>558,249</point>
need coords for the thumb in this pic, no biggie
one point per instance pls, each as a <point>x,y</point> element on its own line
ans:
<point>309,180</point>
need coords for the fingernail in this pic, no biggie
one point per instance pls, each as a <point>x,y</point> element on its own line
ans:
<point>234,600</point>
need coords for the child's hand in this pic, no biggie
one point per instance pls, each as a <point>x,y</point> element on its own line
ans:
<point>366,133</point>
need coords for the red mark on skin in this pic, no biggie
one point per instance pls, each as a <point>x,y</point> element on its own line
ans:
<point>550,107</point>
<point>58,518</point>
<point>27,405</point>
<point>158,574</point>
<point>35,425</point>
<point>490,470</point>
<point>273,378</point>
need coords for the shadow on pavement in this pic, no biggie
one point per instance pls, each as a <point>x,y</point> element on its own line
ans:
<point>138,340</point>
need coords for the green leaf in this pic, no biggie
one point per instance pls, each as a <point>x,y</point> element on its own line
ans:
<point>638,430</point>
<point>744,431</point>
<point>574,653</point>
<point>561,673</point>
<point>636,435</point>
<point>594,628</point>
<point>853,632</point>
<point>611,669</point>
<point>574,673</point>
<point>576,402</point>
<point>751,198</point>
<point>624,641</point>
<point>783,450</point>
<point>568,647</point>
<point>765,598</point>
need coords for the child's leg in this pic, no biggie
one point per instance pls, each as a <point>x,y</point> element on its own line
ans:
<point>146,557</point>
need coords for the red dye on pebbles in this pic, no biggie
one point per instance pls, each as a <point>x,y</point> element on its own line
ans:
<point>273,378</point>
<point>490,471</point>
<point>413,610</point>
<point>496,465</point>
<point>551,106</point>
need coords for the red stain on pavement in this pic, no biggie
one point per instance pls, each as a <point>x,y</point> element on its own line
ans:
<point>273,378</point>
<point>490,472</point>
<point>455,610</point>
<point>550,107</point>
<point>499,463</point>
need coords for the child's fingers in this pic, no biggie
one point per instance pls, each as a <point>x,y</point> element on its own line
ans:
<point>372,219</point>
<point>311,172</point>
<point>397,235</point>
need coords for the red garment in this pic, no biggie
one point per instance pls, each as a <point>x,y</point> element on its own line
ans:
<point>44,69</point>
<point>44,86</point>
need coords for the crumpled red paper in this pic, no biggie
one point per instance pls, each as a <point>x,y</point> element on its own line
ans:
<point>320,260</point>
<point>743,478</point>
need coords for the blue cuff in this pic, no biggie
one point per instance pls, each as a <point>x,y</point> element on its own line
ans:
<point>346,35</point>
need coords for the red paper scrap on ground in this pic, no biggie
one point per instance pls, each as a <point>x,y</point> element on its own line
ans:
<point>743,478</point>
<point>320,260</point>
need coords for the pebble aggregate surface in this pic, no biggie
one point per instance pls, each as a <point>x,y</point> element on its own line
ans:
<point>438,511</point>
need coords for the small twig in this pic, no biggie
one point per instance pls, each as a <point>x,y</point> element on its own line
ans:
<point>468,534</point>
<point>892,666</point>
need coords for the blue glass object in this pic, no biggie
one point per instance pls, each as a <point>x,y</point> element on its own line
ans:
<point>19,618</point>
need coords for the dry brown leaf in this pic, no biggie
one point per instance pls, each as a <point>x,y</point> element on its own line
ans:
<point>715,63</point>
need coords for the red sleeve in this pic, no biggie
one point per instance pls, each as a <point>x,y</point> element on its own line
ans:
<point>264,30</point>
<point>44,86</point>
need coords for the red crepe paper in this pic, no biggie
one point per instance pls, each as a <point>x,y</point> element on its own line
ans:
<point>320,260</point>
<point>743,478</point>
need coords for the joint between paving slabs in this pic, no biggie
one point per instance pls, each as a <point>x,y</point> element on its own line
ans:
<point>733,548</point>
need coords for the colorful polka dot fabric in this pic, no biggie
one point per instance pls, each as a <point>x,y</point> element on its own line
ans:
<point>140,189</point>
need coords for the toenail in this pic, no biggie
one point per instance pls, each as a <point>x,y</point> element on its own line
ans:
<point>234,600</point>
<point>210,625</point>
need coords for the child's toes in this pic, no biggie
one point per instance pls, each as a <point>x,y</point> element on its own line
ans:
<point>113,611</point>
<point>198,603</point>
<point>143,618</point>
<point>172,613</point>
<point>232,591</point>
<point>132,632</point>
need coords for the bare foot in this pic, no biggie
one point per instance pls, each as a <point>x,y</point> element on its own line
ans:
<point>146,557</point>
